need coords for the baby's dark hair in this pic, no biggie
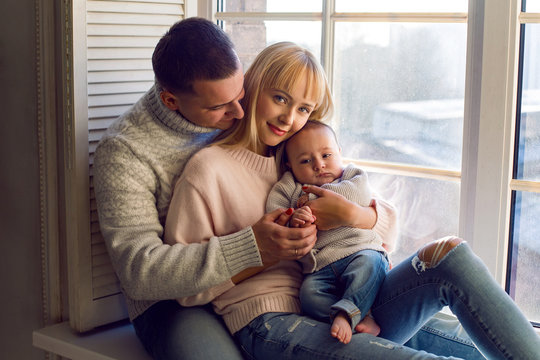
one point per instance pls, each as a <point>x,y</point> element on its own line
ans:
<point>281,152</point>
<point>193,49</point>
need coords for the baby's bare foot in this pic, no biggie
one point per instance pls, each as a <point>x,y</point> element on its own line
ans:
<point>341,329</point>
<point>368,325</point>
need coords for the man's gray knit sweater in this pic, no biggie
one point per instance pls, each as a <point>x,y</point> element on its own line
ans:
<point>136,165</point>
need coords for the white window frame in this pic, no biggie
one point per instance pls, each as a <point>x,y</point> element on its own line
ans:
<point>490,106</point>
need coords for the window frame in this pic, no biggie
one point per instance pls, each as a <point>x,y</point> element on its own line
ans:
<point>489,120</point>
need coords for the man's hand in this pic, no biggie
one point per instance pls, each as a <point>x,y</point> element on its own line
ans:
<point>279,242</point>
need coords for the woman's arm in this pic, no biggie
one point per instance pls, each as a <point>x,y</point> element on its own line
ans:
<point>333,210</point>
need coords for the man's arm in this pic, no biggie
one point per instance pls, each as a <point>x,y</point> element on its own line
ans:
<point>147,268</point>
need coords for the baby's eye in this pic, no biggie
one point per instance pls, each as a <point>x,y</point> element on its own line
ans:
<point>325,156</point>
<point>305,161</point>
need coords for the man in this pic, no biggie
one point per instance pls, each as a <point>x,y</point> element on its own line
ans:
<point>199,83</point>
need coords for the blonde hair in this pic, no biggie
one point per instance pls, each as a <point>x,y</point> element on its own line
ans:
<point>279,66</point>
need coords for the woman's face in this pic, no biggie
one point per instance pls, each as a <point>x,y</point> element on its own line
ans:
<point>280,114</point>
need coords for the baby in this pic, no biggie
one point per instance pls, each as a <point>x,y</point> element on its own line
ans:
<point>347,265</point>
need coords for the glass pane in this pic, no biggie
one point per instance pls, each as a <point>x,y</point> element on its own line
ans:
<point>399,92</point>
<point>528,160</point>
<point>428,209</point>
<point>250,37</point>
<point>401,6</point>
<point>524,284</point>
<point>532,6</point>
<point>272,5</point>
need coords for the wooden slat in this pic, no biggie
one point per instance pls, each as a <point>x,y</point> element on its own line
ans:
<point>137,87</point>
<point>132,19</point>
<point>137,30</point>
<point>122,41</point>
<point>112,7</point>
<point>120,76</point>
<point>119,53</point>
<point>119,64</point>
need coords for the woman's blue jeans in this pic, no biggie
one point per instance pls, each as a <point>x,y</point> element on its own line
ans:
<point>409,297</point>
<point>349,285</point>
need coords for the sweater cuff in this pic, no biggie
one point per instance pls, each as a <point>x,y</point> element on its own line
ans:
<point>386,226</point>
<point>240,250</point>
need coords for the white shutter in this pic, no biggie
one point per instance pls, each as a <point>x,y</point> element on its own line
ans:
<point>120,39</point>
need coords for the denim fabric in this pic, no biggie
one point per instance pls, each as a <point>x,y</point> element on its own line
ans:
<point>169,331</point>
<point>412,293</point>
<point>290,336</point>
<point>349,285</point>
<point>408,299</point>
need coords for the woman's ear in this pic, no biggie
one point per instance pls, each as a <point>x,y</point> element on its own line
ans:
<point>169,100</point>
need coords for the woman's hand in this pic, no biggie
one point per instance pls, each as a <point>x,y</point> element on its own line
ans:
<point>333,210</point>
<point>279,242</point>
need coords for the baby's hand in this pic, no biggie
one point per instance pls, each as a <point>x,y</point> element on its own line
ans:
<point>302,217</point>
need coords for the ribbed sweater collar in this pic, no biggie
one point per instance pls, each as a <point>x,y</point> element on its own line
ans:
<point>172,119</point>
<point>261,164</point>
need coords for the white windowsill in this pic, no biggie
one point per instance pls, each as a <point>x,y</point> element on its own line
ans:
<point>112,342</point>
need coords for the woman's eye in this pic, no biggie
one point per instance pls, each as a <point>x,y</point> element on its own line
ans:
<point>279,99</point>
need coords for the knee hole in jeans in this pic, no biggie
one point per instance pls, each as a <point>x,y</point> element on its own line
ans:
<point>432,253</point>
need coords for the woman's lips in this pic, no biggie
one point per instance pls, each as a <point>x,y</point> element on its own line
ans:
<point>276,130</point>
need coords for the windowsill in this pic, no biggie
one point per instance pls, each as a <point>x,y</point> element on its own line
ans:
<point>112,342</point>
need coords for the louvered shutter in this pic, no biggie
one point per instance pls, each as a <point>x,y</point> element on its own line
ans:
<point>121,36</point>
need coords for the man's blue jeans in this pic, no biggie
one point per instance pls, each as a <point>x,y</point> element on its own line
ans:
<point>408,299</point>
<point>169,331</point>
<point>349,285</point>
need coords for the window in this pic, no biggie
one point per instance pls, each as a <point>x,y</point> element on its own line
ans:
<point>427,94</point>
<point>524,256</point>
<point>419,106</point>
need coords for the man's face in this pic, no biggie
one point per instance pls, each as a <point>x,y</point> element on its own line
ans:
<point>214,103</point>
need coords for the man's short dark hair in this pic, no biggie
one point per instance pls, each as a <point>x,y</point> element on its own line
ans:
<point>193,49</point>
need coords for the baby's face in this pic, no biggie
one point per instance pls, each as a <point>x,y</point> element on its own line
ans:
<point>314,156</point>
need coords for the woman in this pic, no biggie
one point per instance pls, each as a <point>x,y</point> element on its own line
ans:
<point>224,187</point>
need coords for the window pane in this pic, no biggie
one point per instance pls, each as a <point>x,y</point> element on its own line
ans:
<point>272,5</point>
<point>401,6</point>
<point>250,37</point>
<point>524,285</point>
<point>399,92</point>
<point>532,6</point>
<point>428,209</point>
<point>528,163</point>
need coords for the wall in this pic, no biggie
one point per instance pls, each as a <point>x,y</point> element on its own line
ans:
<point>20,266</point>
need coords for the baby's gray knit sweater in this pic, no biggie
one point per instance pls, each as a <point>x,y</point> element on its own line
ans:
<point>338,243</point>
<point>135,168</point>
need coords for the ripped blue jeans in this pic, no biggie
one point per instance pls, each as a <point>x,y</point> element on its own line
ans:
<point>411,294</point>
